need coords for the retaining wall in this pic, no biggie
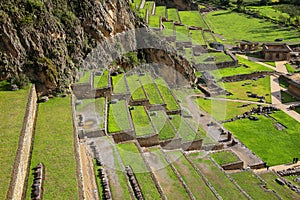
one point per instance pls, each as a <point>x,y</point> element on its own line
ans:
<point>148,141</point>
<point>212,147</point>
<point>232,166</point>
<point>123,136</point>
<point>171,144</point>
<point>242,77</point>
<point>18,184</point>
<point>258,165</point>
<point>193,145</point>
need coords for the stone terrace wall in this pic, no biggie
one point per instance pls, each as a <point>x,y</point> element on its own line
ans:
<point>18,184</point>
<point>194,145</point>
<point>171,144</point>
<point>242,77</point>
<point>123,136</point>
<point>148,141</point>
<point>232,166</point>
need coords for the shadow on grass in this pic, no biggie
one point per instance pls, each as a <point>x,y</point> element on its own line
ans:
<point>4,86</point>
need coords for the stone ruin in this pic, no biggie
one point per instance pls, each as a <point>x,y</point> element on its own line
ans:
<point>289,171</point>
<point>134,184</point>
<point>37,186</point>
<point>104,181</point>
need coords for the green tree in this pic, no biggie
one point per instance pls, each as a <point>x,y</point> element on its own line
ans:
<point>224,2</point>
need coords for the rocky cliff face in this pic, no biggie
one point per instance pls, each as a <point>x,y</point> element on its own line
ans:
<point>46,41</point>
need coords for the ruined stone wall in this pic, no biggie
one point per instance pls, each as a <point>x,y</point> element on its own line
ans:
<point>212,147</point>
<point>194,145</point>
<point>95,133</point>
<point>232,166</point>
<point>171,144</point>
<point>148,141</point>
<point>123,136</point>
<point>242,77</point>
<point>18,184</point>
<point>258,165</point>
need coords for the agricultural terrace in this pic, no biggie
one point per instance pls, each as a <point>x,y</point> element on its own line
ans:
<point>222,109</point>
<point>217,56</point>
<point>184,129</point>
<point>197,37</point>
<point>53,146</point>
<point>182,34</point>
<point>164,174</point>
<point>102,80</point>
<point>216,177</point>
<point>130,155</point>
<point>265,140</point>
<point>283,191</point>
<point>208,37</point>
<point>252,185</point>
<point>86,77</point>
<point>173,15</point>
<point>192,18</point>
<point>269,12</point>
<point>188,53</point>
<point>167,94</point>
<point>245,67</point>
<point>118,84</point>
<point>135,87</point>
<point>13,106</point>
<point>224,157</point>
<point>160,11</point>
<point>190,176</point>
<point>241,89</point>
<point>162,125</point>
<point>151,90</point>
<point>137,4</point>
<point>154,21</point>
<point>248,28</point>
<point>93,107</point>
<point>141,121</point>
<point>118,117</point>
<point>168,29</point>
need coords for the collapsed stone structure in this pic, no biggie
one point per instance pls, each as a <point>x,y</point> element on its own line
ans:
<point>37,186</point>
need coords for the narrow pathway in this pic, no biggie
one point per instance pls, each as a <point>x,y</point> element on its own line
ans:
<point>278,167</point>
<point>280,67</point>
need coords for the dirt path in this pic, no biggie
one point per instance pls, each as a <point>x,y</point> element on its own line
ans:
<point>278,167</point>
<point>88,175</point>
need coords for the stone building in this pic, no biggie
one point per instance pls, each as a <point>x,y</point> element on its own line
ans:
<point>276,51</point>
<point>294,83</point>
<point>248,46</point>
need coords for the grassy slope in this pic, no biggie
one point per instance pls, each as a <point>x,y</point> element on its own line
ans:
<point>53,146</point>
<point>192,18</point>
<point>197,37</point>
<point>151,90</point>
<point>234,27</point>
<point>136,90</point>
<point>117,117</point>
<point>142,124</point>
<point>163,125</point>
<point>273,146</point>
<point>101,81</point>
<point>13,106</point>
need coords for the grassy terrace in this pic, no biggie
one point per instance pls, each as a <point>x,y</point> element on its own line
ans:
<point>167,94</point>
<point>168,31</point>
<point>291,69</point>
<point>252,185</point>
<point>96,106</point>
<point>182,34</point>
<point>269,12</point>
<point>248,67</point>
<point>166,177</point>
<point>141,121</point>
<point>184,129</point>
<point>218,57</point>
<point>248,28</point>
<point>151,90</point>
<point>160,11</point>
<point>197,37</point>
<point>130,155</point>
<point>53,146</point>
<point>118,83</point>
<point>188,53</point>
<point>239,89</point>
<point>193,180</point>
<point>13,107</point>
<point>216,177</point>
<point>283,191</point>
<point>173,15</point>
<point>163,125</point>
<point>208,36</point>
<point>221,109</point>
<point>192,18</point>
<point>224,157</point>
<point>86,77</point>
<point>262,137</point>
<point>101,81</point>
<point>117,117</point>
<point>135,87</point>
<point>154,21</point>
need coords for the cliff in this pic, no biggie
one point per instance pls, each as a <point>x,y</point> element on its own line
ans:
<point>46,41</point>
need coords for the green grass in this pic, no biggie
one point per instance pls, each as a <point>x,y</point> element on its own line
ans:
<point>130,156</point>
<point>117,117</point>
<point>192,18</point>
<point>98,179</point>
<point>136,90</point>
<point>216,177</point>
<point>260,87</point>
<point>154,21</point>
<point>182,34</point>
<point>151,90</point>
<point>173,15</point>
<point>283,83</point>
<point>197,37</point>
<point>13,107</point>
<point>101,81</point>
<point>291,69</point>
<point>269,12</point>
<point>271,145</point>
<point>252,185</point>
<point>118,83</point>
<point>283,191</point>
<point>223,110</point>
<point>184,129</point>
<point>273,64</point>
<point>141,121</point>
<point>208,37</point>
<point>286,97</point>
<point>218,57</point>
<point>166,177</point>
<point>86,77</point>
<point>160,11</point>
<point>188,54</point>
<point>297,109</point>
<point>163,125</point>
<point>168,31</point>
<point>292,179</point>
<point>53,146</point>
<point>224,157</point>
<point>193,180</point>
<point>167,95</point>
<point>248,28</point>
